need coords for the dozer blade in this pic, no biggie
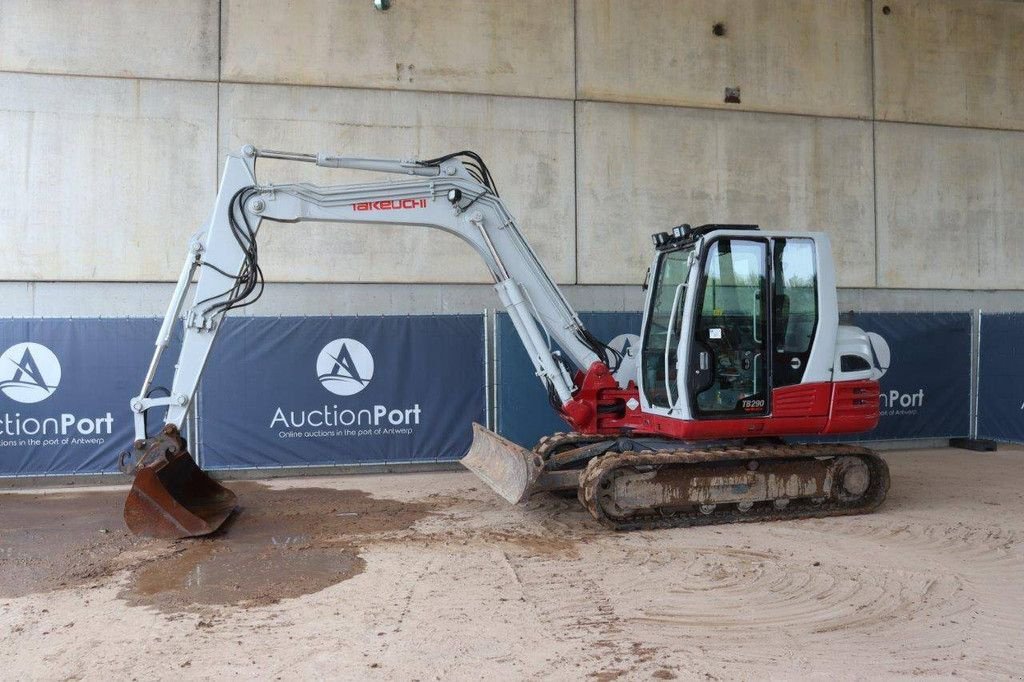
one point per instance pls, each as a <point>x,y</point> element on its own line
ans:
<point>171,496</point>
<point>510,470</point>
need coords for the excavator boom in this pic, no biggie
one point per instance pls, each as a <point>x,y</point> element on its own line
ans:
<point>172,497</point>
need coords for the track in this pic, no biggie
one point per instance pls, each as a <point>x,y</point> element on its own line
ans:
<point>609,483</point>
<point>549,446</point>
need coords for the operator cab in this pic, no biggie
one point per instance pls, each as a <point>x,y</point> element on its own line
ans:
<point>745,304</point>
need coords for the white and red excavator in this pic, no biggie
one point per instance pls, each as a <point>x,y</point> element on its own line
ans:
<point>741,348</point>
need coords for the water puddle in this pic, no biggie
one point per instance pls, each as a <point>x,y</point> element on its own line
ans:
<point>280,544</point>
<point>207,574</point>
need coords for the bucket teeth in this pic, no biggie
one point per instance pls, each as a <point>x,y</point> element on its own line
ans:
<point>509,469</point>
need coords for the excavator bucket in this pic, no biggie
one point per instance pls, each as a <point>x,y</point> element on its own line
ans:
<point>510,470</point>
<point>171,496</point>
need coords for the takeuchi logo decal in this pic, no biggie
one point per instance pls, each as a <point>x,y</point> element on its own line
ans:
<point>389,205</point>
<point>29,372</point>
<point>344,366</point>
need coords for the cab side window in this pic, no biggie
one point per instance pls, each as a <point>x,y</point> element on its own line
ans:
<point>794,308</point>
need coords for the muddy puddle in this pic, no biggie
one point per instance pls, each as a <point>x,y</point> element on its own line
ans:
<point>280,544</point>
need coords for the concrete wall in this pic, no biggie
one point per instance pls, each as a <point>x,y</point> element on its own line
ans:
<point>950,62</point>
<point>103,178</point>
<point>127,38</point>
<point>799,56</point>
<point>950,207</point>
<point>896,126</point>
<point>523,48</point>
<point>637,165</point>
<point>528,142</point>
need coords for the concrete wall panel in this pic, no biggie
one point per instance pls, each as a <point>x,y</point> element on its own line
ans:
<point>950,207</point>
<point>799,56</point>
<point>16,299</point>
<point>528,145</point>
<point>643,169</point>
<point>951,62</point>
<point>483,46</point>
<point>132,38</point>
<point>104,179</point>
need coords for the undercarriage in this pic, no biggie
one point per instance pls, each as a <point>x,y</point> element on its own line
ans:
<point>638,483</point>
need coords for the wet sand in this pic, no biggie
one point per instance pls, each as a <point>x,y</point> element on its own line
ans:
<point>430,576</point>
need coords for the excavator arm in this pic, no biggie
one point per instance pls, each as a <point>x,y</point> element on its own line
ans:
<point>443,195</point>
<point>453,193</point>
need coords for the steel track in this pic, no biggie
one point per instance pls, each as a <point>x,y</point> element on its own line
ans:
<point>600,470</point>
<point>555,442</point>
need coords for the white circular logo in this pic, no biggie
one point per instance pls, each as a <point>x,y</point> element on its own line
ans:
<point>29,372</point>
<point>344,367</point>
<point>626,344</point>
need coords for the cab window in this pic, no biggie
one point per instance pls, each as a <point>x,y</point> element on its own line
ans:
<point>672,272</point>
<point>794,308</point>
<point>729,364</point>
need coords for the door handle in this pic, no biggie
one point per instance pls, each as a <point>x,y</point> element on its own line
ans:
<point>757,373</point>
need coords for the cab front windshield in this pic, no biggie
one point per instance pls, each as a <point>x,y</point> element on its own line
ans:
<point>662,329</point>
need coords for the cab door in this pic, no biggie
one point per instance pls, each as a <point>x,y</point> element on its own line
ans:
<point>663,330</point>
<point>729,365</point>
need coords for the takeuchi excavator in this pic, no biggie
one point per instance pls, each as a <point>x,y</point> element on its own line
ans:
<point>741,354</point>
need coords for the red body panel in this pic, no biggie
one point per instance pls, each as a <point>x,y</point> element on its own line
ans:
<point>600,406</point>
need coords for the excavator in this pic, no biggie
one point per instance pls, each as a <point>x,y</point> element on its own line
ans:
<point>712,418</point>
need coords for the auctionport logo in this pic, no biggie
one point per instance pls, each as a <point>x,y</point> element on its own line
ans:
<point>29,372</point>
<point>344,367</point>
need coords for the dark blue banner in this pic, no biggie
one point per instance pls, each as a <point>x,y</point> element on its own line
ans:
<point>927,391</point>
<point>524,414</point>
<point>1001,378</point>
<point>342,390</point>
<point>65,385</point>
<point>321,391</point>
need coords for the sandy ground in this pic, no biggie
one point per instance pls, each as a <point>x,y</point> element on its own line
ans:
<point>429,576</point>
